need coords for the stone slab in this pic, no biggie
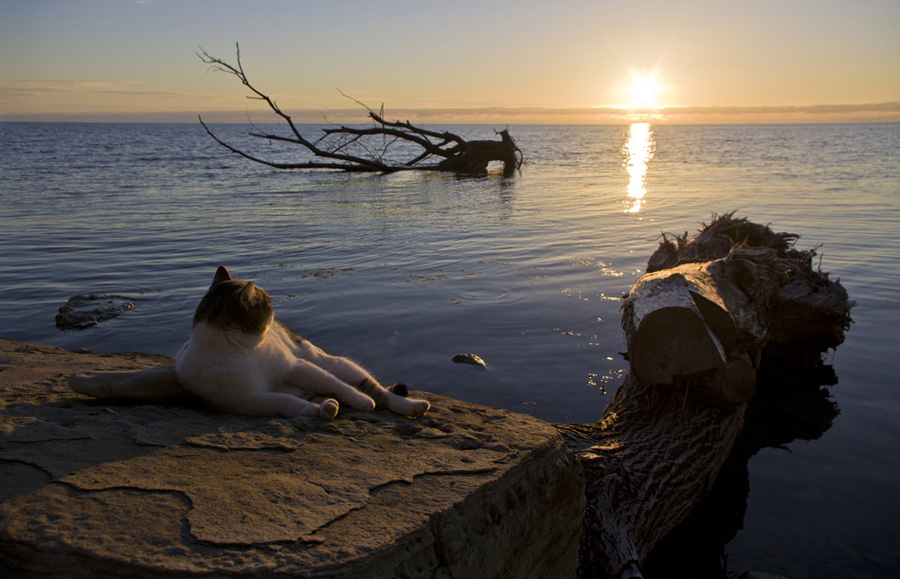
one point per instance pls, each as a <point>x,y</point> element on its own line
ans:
<point>100,488</point>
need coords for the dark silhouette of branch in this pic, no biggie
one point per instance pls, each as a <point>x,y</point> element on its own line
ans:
<point>338,146</point>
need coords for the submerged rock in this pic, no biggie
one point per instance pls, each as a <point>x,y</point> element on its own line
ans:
<point>85,311</point>
<point>468,359</point>
<point>112,489</point>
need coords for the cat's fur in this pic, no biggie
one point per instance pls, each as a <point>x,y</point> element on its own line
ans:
<point>240,360</point>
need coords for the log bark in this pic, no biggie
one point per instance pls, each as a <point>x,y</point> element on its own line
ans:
<point>697,325</point>
<point>646,464</point>
<point>790,404</point>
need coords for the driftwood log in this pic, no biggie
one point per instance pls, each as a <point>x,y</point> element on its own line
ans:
<point>382,147</point>
<point>791,403</point>
<point>698,325</point>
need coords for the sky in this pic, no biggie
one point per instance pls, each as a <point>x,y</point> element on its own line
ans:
<point>492,61</point>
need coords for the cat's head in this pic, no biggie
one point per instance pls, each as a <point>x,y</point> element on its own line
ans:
<point>232,304</point>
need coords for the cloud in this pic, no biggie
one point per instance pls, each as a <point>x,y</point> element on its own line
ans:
<point>864,112</point>
<point>58,86</point>
<point>53,97</point>
<point>861,112</point>
<point>36,88</point>
<point>885,107</point>
<point>686,110</point>
<point>92,100</point>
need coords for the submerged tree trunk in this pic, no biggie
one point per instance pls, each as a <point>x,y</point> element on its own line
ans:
<point>372,148</point>
<point>697,325</point>
<point>474,156</point>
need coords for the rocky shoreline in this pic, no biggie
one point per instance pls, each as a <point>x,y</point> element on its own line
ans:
<point>96,488</point>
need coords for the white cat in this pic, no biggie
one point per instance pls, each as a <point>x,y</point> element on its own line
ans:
<point>240,360</point>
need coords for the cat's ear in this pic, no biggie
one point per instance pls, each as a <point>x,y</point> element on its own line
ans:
<point>221,275</point>
<point>247,294</point>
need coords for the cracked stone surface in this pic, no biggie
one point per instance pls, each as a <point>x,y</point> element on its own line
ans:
<point>94,488</point>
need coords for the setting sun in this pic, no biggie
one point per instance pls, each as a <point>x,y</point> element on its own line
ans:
<point>643,91</point>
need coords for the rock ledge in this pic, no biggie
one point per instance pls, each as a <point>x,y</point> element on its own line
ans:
<point>101,489</point>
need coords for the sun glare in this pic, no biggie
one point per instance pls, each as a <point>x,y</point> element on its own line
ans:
<point>638,151</point>
<point>643,91</point>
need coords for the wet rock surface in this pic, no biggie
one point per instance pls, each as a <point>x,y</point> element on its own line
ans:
<point>471,359</point>
<point>87,310</point>
<point>106,489</point>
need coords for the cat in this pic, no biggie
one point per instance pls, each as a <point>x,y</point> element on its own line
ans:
<point>239,359</point>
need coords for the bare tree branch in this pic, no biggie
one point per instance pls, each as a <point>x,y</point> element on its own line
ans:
<point>339,145</point>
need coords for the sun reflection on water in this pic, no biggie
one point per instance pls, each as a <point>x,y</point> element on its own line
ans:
<point>638,151</point>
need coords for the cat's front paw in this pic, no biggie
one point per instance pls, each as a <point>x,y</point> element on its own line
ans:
<point>418,408</point>
<point>328,409</point>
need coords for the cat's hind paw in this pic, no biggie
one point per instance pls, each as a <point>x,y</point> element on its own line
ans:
<point>328,409</point>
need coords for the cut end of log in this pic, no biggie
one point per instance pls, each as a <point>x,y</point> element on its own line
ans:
<point>674,342</point>
<point>676,326</point>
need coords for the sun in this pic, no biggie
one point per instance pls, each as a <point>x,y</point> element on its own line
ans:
<point>643,91</point>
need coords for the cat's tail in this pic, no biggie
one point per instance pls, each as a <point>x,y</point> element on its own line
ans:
<point>394,398</point>
<point>397,401</point>
<point>400,389</point>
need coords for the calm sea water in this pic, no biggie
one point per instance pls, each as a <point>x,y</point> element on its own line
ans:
<point>403,271</point>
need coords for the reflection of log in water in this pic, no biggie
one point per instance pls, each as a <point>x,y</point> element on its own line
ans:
<point>699,324</point>
<point>792,403</point>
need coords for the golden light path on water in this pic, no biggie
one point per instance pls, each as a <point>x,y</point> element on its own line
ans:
<point>638,151</point>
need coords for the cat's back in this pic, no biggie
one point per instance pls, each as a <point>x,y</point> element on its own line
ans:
<point>230,350</point>
<point>213,350</point>
<point>234,336</point>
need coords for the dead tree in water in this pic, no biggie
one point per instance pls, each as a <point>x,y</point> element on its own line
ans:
<point>366,149</point>
<point>697,325</point>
